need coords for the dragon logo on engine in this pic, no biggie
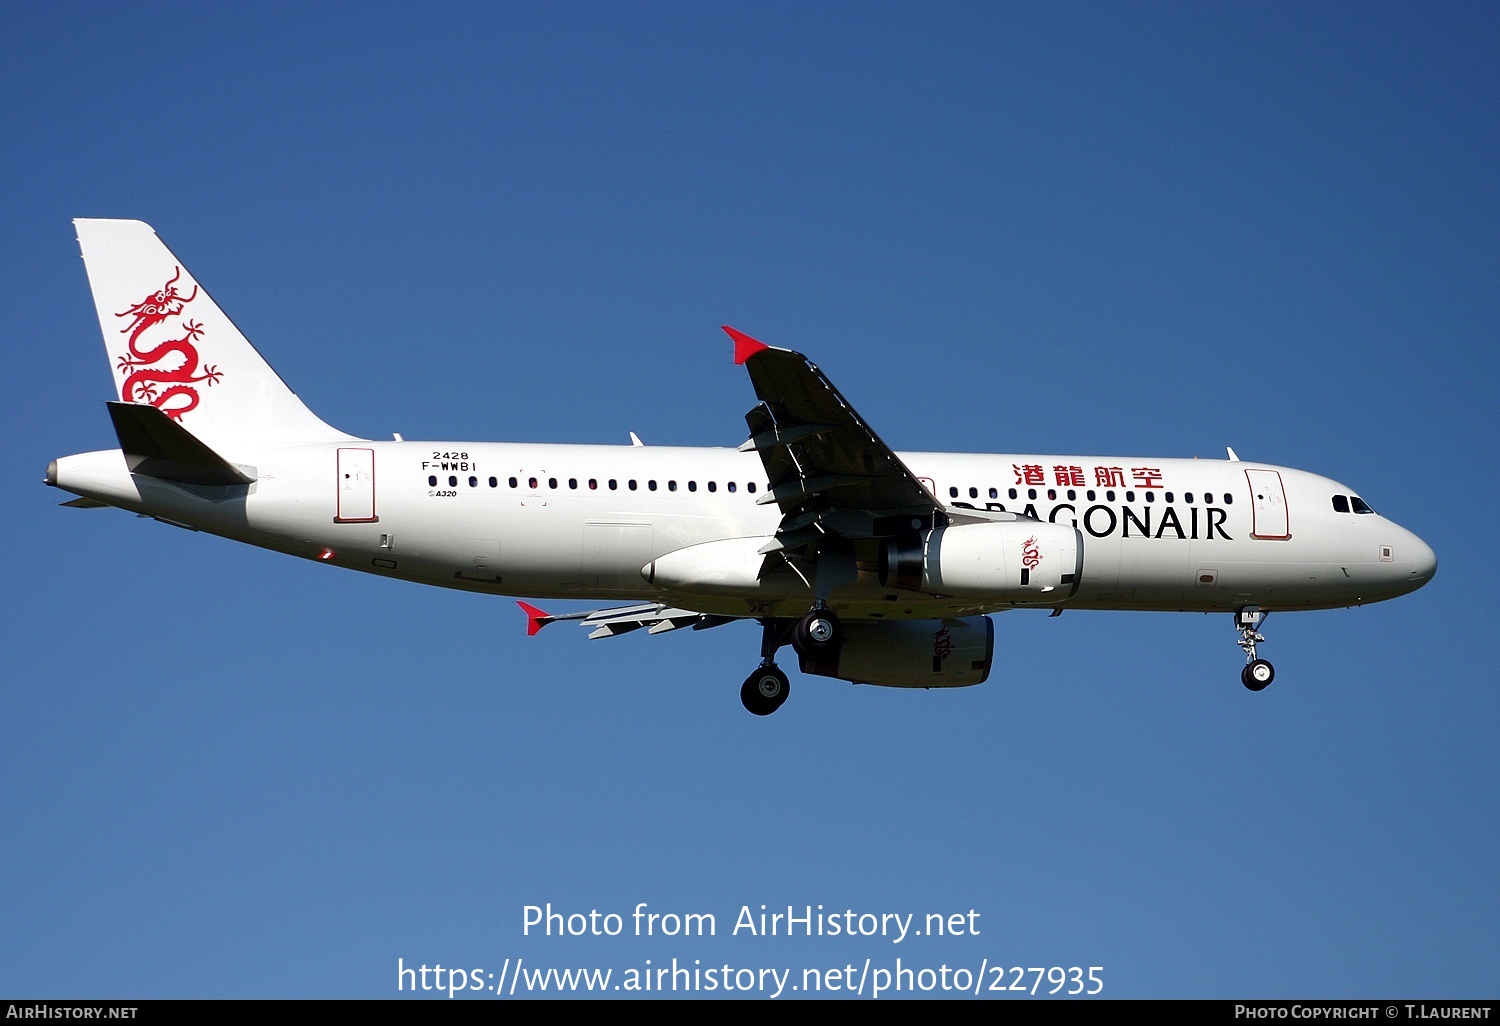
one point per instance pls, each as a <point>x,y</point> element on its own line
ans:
<point>152,374</point>
<point>942,647</point>
<point>1030,554</point>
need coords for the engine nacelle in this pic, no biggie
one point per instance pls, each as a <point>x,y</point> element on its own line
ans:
<point>911,653</point>
<point>1021,561</point>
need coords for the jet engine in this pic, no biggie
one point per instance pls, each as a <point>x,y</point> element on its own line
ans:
<point>910,653</point>
<point>1020,561</point>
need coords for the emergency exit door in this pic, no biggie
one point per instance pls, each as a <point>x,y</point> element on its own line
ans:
<point>356,487</point>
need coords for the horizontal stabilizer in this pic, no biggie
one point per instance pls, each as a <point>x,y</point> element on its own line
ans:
<point>157,446</point>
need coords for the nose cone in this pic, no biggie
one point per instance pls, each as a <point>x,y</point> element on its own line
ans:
<point>1421,562</point>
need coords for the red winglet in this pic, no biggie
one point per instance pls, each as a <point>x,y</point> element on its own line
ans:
<point>535,618</point>
<point>744,346</point>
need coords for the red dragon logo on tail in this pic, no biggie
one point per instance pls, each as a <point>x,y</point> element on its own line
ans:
<point>169,388</point>
<point>163,303</point>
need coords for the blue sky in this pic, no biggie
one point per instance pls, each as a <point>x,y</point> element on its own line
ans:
<point>1074,228</point>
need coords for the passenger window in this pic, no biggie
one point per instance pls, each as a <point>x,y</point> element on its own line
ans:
<point>1150,496</point>
<point>651,484</point>
<point>512,482</point>
<point>473,482</point>
<point>671,486</point>
<point>453,482</point>
<point>994,493</point>
<point>593,484</point>
<point>613,484</point>
<point>1228,499</point>
<point>692,486</point>
<point>1208,498</point>
<point>1130,496</point>
<point>432,480</point>
<point>1341,503</point>
<point>531,483</point>
<point>973,493</point>
<point>750,487</point>
<point>551,482</point>
<point>1031,493</point>
<point>952,493</point>
<point>1012,493</point>
<point>1109,496</point>
<point>1187,497</point>
<point>1072,495</point>
<point>494,483</point>
<point>572,482</point>
<point>712,487</point>
<point>730,486</point>
<point>1169,496</point>
<point>631,484</point>
<point>1089,495</point>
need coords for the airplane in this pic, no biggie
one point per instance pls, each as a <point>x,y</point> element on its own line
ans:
<point>874,566</point>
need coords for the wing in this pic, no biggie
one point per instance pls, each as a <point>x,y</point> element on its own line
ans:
<point>830,474</point>
<point>835,482</point>
<point>609,623</point>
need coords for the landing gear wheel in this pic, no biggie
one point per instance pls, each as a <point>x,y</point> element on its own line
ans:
<point>765,690</point>
<point>1257,674</point>
<point>817,632</point>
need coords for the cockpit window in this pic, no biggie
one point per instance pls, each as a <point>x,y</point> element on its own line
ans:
<point>1341,503</point>
<point>1359,505</point>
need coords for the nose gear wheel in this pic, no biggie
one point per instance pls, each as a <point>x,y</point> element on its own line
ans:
<point>1258,673</point>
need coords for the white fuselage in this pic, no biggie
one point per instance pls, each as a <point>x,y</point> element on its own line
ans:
<point>583,521</point>
<point>874,566</point>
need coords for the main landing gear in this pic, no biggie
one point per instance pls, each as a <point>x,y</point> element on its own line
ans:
<point>1257,673</point>
<point>818,633</point>
<point>765,690</point>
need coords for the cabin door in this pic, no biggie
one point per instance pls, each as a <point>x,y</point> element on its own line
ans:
<point>356,486</point>
<point>1269,500</point>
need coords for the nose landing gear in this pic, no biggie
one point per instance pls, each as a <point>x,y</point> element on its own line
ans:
<point>1258,673</point>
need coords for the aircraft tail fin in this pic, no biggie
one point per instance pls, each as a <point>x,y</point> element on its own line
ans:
<point>172,348</point>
